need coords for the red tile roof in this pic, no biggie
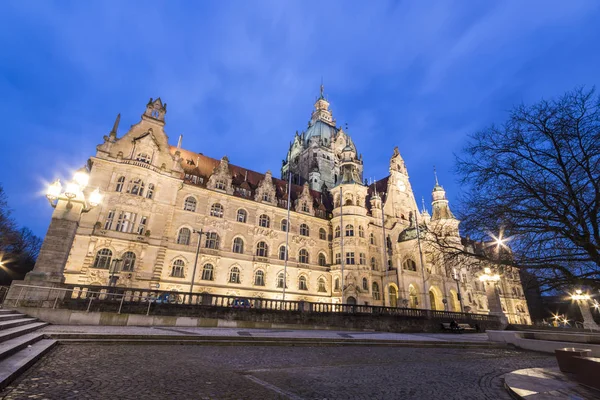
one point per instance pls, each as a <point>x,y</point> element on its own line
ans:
<point>197,164</point>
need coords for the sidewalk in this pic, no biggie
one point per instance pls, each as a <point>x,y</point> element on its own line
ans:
<point>133,331</point>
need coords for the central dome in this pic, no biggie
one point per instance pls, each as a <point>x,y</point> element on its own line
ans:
<point>322,130</point>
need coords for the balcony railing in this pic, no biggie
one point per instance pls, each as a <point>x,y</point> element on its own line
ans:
<point>117,299</point>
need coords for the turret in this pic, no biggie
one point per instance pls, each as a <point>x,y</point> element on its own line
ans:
<point>439,204</point>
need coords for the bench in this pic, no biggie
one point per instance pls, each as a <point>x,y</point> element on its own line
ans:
<point>587,371</point>
<point>459,328</point>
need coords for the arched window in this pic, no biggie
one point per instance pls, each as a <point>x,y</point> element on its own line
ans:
<point>373,263</point>
<point>216,210</point>
<point>349,230</point>
<point>103,259</point>
<point>143,157</point>
<point>128,261</point>
<point>372,238</point>
<point>322,260</point>
<point>120,183</point>
<point>150,191</point>
<point>348,202</point>
<point>136,187</point>
<point>262,249</point>
<point>284,225</point>
<point>337,231</point>
<point>241,216</point>
<point>365,284</point>
<point>177,268</point>
<point>207,272</point>
<point>336,284</point>
<point>189,204</point>
<point>302,283</point>
<point>322,234</point>
<point>304,231</point>
<point>264,221</point>
<point>282,252</point>
<point>184,236</point>
<point>409,265</point>
<point>321,285</point>
<point>234,275</point>
<point>212,240</point>
<point>361,231</point>
<point>375,291</point>
<point>238,245</point>
<point>259,278</point>
<point>281,280</point>
<point>303,256</point>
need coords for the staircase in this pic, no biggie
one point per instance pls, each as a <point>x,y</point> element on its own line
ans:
<point>20,345</point>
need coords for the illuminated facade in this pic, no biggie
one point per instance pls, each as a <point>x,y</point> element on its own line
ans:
<point>157,196</point>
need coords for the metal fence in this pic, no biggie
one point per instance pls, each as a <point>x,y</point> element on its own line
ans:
<point>117,299</point>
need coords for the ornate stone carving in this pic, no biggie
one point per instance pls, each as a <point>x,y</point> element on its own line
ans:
<point>304,203</point>
<point>265,192</point>
<point>221,177</point>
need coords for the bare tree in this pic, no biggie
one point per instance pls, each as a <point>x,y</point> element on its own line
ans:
<point>536,181</point>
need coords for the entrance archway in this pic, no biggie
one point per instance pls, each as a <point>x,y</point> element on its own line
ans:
<point>435,299</point>
<point>413,299</point>
<point>351,300</point>
<point>393,294</point>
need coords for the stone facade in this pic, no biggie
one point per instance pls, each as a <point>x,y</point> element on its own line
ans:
<point>157,197</point>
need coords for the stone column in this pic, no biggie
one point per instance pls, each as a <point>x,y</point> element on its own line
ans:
<point>50,265</point>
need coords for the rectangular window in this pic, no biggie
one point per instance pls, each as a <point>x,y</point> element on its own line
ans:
<point>350,258</point>
<point>125,222</point>
<point>363,259</point>
<point>109,219</point>
<point>338,258</point>
<point>142,225</point>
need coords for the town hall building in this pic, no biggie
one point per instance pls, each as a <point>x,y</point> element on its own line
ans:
<point>168,211</point>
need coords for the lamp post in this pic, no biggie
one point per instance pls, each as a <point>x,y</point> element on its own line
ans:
<point>583,301</point>
<point>456,278</point>
<point>196,259</point>
<point>69,202</point>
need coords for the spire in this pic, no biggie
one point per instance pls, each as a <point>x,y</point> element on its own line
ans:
<point>179,142</point>
<point>322,90</point>
<point>423,204</point>
<point>113,132</point>
<point>436,178</point>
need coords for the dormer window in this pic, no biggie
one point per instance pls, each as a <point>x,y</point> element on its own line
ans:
<point>143,157</point>
<point>220,184</point>
<point>266,197</point>
<point>305,207</point>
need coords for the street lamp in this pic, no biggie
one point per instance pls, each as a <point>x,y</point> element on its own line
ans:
<point>196,260</point>
<point>74,192</point>
<point>582,300</point>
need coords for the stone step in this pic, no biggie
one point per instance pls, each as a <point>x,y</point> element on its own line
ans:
<point>16,322</point>
<point>9,317</point>
<point>5,311</point>
<point>10,347</point>
<point>19,362</point>
<point>10,333</point>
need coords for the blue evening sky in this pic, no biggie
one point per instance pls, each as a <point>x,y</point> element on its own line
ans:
<point>240,77</point>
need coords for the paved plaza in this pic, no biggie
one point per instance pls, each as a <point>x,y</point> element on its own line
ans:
<point>94,371</point>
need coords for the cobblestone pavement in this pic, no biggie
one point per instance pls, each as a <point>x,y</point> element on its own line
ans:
<point>93,371</point>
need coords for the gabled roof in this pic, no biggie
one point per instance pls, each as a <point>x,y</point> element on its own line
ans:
<point>197,164</point>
